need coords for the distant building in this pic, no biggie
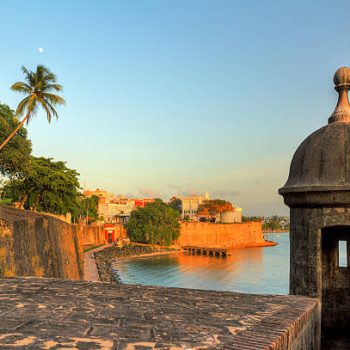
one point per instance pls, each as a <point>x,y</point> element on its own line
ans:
<point>103,195</point>
<point>122,218</point>
<point>190,205</point>
<point>227,214</point>
<point>226,217</point>
<point>230,217</point>
<point>143,202</point>
<point>110,211</point>
<point>116,208</point>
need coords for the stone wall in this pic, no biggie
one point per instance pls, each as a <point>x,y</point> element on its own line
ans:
<point>95,235</point>
<point>248,234</point>
<point>39,245</point>
<point>120,231</point>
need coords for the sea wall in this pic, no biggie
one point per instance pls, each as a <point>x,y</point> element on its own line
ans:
<point>39,245</point>
<point>247,234</point>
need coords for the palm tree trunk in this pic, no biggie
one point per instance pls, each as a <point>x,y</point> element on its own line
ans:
<point>15,131</point>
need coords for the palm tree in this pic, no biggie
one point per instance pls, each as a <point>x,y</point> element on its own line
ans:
<point>38,88</point>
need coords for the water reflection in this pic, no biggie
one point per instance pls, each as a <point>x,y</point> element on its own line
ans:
<point>253,270</point>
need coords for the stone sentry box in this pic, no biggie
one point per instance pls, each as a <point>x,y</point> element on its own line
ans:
<point>318,194</point>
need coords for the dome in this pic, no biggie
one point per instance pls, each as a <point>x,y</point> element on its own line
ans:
<point>320,169</point>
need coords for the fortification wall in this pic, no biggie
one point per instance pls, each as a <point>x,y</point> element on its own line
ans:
<point>120,231</point>
<point>95,235</point>
<point>240,235</point>
<point>39,245</point>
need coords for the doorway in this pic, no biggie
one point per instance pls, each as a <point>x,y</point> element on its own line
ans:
<point>335,280</point>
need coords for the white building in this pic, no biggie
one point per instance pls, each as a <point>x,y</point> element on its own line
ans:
<point>230,217</point>
<point>110,211</point>
<point>190,205</point>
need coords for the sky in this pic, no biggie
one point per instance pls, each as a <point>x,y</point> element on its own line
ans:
<point>168,97</point>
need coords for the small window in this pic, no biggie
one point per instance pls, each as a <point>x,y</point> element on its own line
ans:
<point>343,254</point>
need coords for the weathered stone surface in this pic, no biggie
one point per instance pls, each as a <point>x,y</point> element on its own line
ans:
<point>33,244</point>
<point>54,314</point>
<point>314,268</point>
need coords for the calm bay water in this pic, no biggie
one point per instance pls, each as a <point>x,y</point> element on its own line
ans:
<point>251,270</point>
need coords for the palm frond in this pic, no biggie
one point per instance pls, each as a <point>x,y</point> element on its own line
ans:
<point>28,76</point>
<point>21,87</point>
<point>22,106</point>
<point>54,99</point>
<point>46,108</point>
<point>53,110</point>
<point>50,77</point>
<point>45,74</point>
<point>49,87</point>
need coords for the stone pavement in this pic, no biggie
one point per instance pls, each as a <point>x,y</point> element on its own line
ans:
<point>58,314</point>
<point>90,268</point>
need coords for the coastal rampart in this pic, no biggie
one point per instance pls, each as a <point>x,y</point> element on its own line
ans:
<point>244,235</point>
<point>95,235</point>
<point>39,245</point>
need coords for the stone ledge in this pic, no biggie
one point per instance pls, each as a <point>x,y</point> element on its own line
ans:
<point>54,314</point>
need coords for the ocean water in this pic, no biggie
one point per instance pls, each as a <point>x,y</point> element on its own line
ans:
<point>250,270</point>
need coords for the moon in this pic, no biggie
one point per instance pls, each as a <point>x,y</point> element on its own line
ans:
<point>40,50</point>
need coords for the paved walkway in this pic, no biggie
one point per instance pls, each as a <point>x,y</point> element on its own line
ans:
<point>90,269</point>
<point>56,314</point>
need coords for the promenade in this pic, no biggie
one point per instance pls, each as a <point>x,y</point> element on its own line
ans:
<point>90,268</point>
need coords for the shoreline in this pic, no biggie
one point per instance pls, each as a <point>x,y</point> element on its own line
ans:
<point>114,262</point>
<point>146,255</point>
<point>106,259</point>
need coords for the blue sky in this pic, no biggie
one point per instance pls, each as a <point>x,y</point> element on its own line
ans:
<point>185,95</point>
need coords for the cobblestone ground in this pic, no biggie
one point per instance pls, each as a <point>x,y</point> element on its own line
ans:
<point>57,314</point>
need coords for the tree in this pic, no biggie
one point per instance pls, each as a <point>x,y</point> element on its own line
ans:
<point>175,203</point>
<point>214,206</point>
<point>156,223</point>
<point>38,88</point>
<point>49,187</point>
<point>252,218</point>
<point>87,209</point>
<point>15,158</point>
